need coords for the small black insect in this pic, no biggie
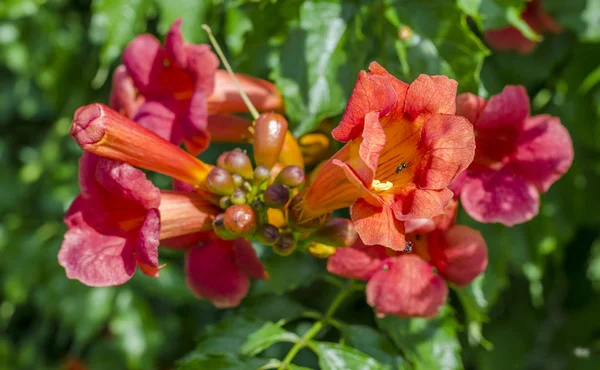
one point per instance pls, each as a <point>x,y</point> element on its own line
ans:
<point>409,246</point>
<point>401,167</point>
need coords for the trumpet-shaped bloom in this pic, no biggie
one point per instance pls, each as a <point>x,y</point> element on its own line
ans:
<point>117,220</point>
<point>219,270</point>
<point>172,89</point>
<point>517,157</point>
<point>510,38</point>
<point>407,285</point>
<point>404,146</point>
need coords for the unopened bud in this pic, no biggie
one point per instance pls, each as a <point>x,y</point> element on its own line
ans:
<point>276,196</point>
<point>219,181</point>
<point>337,232</point>
<point>314,146</point>
<point>219,228</point>
<point>238,197</point>
<point>225,202</point>
<point>269,135</point>
<point>236,161</point>
<point>292,176</point>
<point>238,180</point>
<point>240,219</point>
<point>319,250</point>
<point>246,187</point>
<point>261,174</point>
<point>285,245</point>
<point>267,234</point>
<point>257,204</point>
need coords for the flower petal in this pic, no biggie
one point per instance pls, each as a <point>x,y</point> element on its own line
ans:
<point>175,46</point>
<point>544,151</point>
<point>507,110</point>
<point>498,196</point>
<point>160,118</point>
<point>194,124</point>
<point>409,288</point>
<point>371,146</point>
<point>123,96</point>
<point>93,258</point>
<point>459,254</point>
<point>247,260</point>
<point>371,93</point>
<point>143,58</point>
<point>226,97</point>
<point>469,106</point>
<point>357,262</point>
<point>447,147</point>
<point>202,65</point>
<point>509,38</point>
<point>146,245</point>
<point>419,203</point>
<point>213,274</point>
<point>400,87</point>
<point>377,225</point>
<point>431,94</point>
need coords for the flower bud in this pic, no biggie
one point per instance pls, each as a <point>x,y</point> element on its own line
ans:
<point>225,202</point>
<point>315,147</point>
<point>285,245</point>
<point>236,161</point>
<point>237,180</point>
<point>276,196</point>
<point>238,197</point>
<point>219,181</point>
<point>219,228</point>
<point>319,250</point>
<point>267,234</point>
<point>292,176</point>
<point>240,219</point>
<point>261,174</point>
<point>257,204</point>
<point>269,135</point>
<point>337,232</point>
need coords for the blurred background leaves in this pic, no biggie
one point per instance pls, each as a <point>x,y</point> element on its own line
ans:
<point>536,306</point>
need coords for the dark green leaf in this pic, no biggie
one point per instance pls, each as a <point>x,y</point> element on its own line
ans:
<point>193,13</point>
<point>265,337</point>
<point>227,336</point>
<point>373,343</point>
<point>582,16</point>
<point>273,307</point>
<point>334,356</point>
<point>219,362</point>
<point>426,343</point>
<point>288,273</point>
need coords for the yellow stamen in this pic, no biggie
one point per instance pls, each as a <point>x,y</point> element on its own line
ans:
<point>381,186</point>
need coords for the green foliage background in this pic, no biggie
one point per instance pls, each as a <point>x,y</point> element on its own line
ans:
<point>536,307</point>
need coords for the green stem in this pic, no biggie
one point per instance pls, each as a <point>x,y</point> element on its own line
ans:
<point>245,98</point>
<point>318,325</point>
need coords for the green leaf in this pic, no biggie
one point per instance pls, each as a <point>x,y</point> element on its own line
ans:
<point>218,362</point>
<point>582,16</point>
<point>426,343</point>
<point>373,343</point>
<point>288,273</point>
<point>273,307</point>
<point>309,62</point>
<point>228,336</point>
<point>237,25</point>
<point>334,356</point>
<point>441,43</point>
<point>476,307</point>
<point>265,337</point>
<point>193,12</point>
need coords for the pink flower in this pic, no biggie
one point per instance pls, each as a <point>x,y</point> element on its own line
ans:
<point>510,38</point>
<point>173,89</point>
<point>407,285</point>
<point>115,223</point>
<point>517,157</point>
<point>219,270</point>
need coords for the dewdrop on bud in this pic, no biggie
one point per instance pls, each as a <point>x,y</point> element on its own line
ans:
<point>267,234</point>
<point>337,232</point>
<point>261,174</point>
<point>276,196</point>
<point>238,197</point>
<point>285,245</point>
<point>236,161</point>
<point>220,182</point>
<point>292,176</point>
<point>240,219</point>
<point>269,135</point>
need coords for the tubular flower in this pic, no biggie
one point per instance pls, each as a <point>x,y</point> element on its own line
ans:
<point>517,157</point>
<point>172,89</point>
<point>115,223</point>
<point>219,270</point>
<point>405,284</point>
<point>510,38</point>
<point>404,146</point>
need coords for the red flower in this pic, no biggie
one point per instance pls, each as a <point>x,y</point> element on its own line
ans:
<point>219,270</point>
<point>510,38</point>
<point>115,223</point>
<point>176,82</point>
<point>517,157</point>
<point>404,146</point>
<point>405,284</point>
